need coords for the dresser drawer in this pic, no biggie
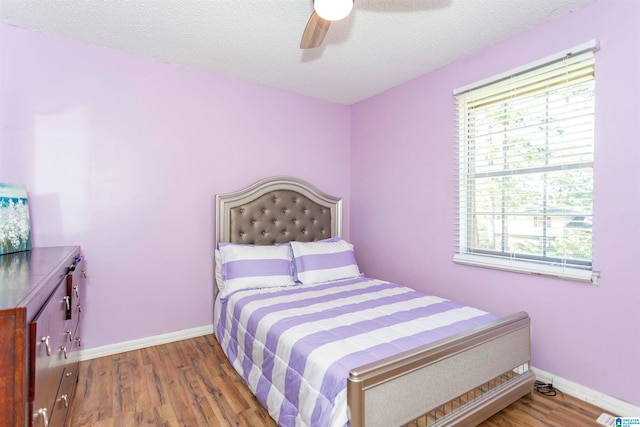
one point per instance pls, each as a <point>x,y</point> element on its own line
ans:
<point>73,350</point>
<point>63,398</point>
<point>75,281</point>
<point>50,347</point>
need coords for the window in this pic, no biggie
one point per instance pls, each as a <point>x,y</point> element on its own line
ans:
<point>526,149</point>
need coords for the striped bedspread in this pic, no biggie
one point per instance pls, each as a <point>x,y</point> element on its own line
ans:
<point>294,346</point>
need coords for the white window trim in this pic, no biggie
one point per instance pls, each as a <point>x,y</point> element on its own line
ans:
<point>514,265</point>
<point>527,267</point>
<point>592,45</point>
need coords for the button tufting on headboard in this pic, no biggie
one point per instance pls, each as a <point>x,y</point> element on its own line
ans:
<point>277,210</point>
<point>306,219</point>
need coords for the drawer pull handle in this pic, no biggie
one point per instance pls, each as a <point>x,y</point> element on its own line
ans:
<point>68,374</point>
<point>42,412</point>
<point>65,400</point>
<point>45,340</point>
<point>75,288</point>
<point>69,333</point>
<point>84,273</point>
<point>79,308</point>
<point>78,341</point>
<point>64,350</point>
<point>67,303</point>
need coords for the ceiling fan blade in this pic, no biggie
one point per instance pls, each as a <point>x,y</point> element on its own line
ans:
<point>314,32</point>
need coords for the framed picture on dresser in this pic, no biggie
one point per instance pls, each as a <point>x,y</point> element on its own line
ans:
<point>15,227</point>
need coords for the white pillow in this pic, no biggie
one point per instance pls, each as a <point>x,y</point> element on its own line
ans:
<point>254,266</point>
<point>318,262</point>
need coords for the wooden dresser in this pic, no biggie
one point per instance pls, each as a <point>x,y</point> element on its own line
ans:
<point>41,298</point>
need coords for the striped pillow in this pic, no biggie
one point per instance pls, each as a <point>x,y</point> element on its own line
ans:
<point>252,266</point>
<point>318,262</point>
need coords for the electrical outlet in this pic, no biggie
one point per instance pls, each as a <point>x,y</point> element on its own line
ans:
<point>606,420</point>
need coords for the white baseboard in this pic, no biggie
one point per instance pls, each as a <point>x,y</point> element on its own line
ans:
<point>108,350</point>
<point>615,406</point>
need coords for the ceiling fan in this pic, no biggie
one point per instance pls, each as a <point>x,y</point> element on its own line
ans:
<point>324,12</point>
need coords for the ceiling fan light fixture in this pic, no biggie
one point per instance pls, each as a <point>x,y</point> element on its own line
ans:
<point>333,10</point>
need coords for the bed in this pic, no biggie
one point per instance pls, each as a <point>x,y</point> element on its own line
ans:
<point>321,344</point>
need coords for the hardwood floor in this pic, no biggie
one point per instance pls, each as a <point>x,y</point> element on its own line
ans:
<point>190,383</point>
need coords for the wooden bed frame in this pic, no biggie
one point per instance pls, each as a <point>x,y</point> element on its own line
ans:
<point>461,380</point>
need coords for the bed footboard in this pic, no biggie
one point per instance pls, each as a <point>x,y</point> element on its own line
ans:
<point>474,374</point>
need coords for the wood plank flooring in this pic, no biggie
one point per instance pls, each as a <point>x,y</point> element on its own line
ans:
<point>190,383</point>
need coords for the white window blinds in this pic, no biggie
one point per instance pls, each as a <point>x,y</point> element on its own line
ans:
<point>525,169</point>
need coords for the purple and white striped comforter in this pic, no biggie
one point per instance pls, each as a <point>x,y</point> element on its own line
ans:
<point>294,346</point>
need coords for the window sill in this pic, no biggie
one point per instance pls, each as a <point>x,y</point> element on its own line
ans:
<point>586,276</point>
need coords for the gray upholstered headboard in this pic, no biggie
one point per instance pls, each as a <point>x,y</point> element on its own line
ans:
<point>277,210</point>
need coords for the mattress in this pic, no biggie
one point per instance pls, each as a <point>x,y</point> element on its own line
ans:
<point>294,346</point>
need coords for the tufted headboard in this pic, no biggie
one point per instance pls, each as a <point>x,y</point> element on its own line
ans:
<point>277,210</point>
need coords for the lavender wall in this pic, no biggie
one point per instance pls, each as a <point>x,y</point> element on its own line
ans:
<point>403,200</point>
<point>124,156</point>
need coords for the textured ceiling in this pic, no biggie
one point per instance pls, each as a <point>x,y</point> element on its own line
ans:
<point>382,44</point>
